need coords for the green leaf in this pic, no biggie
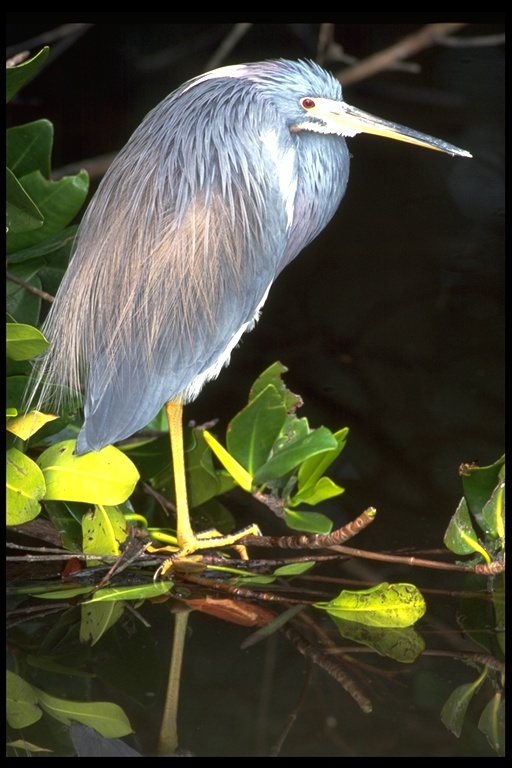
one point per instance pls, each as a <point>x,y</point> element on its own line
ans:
<point>104,530</point>
<point>22,707</point>
<point>153,460</point>
<point>273,376</point>
<point>385,605</point>
<point>478,484</point>
<point>24,341</point>
<point>23,745</point>
<point>60,241</point>
<point>108,719</point>
<point>67,519</point>
<point>307,522</point>
<point>134,592</point>
<point>203,481</point>
<point>293,569</point>
<point>252,432</point>
<point>289,457</point>
<point>107,477</point>
<point>59,201</point>
<point>152,457</point>
<point>403,644</point>
<point>24,305</point>
<point>25,487</point>
<point>323,489</point>
<point>29,148</point>
<point>97,619</point>
<point>23,215</point>
<point>293,431</point>
<point>56,591</point>
<point>20,74</point>
<point>460,536</point>
<point>313,468</point>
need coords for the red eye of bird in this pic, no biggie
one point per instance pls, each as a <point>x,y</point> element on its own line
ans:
<point>308,103</point>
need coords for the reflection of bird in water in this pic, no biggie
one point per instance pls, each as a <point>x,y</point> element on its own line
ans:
<point>220,187</point>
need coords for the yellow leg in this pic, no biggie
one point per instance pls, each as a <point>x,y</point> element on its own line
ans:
<point>188,542</point>
<point>185,534</point>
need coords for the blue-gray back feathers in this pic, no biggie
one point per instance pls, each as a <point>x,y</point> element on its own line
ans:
<point>208,201</point>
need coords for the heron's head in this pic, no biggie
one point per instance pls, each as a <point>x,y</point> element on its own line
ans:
<point>308,98</point>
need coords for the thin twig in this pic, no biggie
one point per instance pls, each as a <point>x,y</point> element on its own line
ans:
<point>488,569</point>
<point>30,288</point>
<point>51,36</point>
<point>325,41</point>
<point>227,45</point>
<point>275,750</point>
<point>472,42</point>
<point>96,167</point>
<point>425,37</point>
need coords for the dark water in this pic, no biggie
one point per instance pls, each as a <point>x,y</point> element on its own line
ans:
<point>391,323</point>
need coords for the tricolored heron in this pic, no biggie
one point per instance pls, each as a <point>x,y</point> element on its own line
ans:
<point>219,188</point>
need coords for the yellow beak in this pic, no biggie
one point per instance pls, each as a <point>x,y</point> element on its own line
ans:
<point>344,120</point>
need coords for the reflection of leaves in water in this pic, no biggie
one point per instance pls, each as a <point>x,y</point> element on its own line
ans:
<point>401,644</point>
<point>473,613</point>
<point>89,743</point>
<point>25,703</point>
<point>97,619</point>
<point>492,723</point>
<point>456,706</point>
<point>22,709</point>
<point>492,719</point>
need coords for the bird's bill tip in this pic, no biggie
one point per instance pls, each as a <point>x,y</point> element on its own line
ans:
<point>353,121</point>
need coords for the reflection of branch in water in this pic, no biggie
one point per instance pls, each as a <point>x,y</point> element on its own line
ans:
<point>292,716</point>
<point>332,668</point>
<point>258,616</point>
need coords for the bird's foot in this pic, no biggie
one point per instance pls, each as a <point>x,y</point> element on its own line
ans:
<point>210,539</point>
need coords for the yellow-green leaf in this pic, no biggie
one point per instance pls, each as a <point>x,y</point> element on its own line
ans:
<point>106,477</point>
<point>27,425</point>
<point>103,530</point>
<point>237,472</point>
<point>25,486</point>
<point>132,592</point>
<point>386,605</point>
<point>323,489</point>
<point>24,341</point>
